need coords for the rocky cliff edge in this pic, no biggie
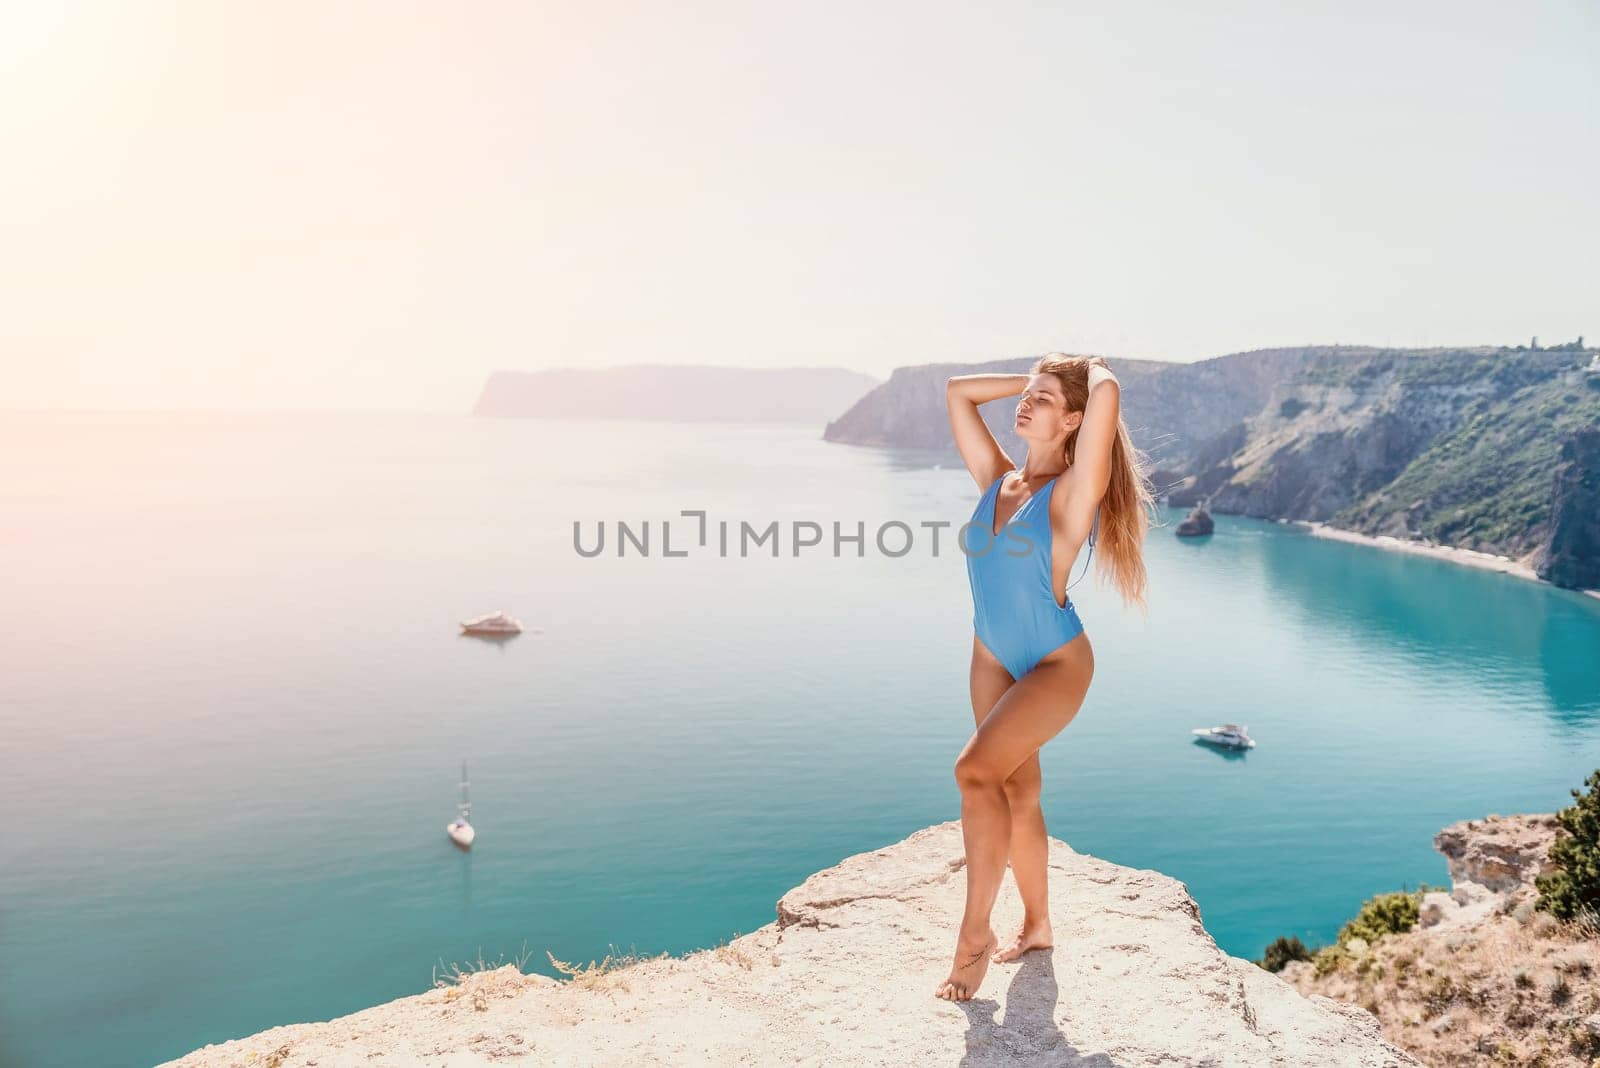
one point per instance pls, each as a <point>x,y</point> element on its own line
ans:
<point>846,974</point>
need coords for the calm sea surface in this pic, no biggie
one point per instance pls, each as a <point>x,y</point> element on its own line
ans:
<point>234,704</point>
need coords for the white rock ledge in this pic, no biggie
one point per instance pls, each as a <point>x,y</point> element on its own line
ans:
<point>846,977</point>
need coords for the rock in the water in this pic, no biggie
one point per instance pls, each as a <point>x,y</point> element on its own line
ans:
<point>1196,523</point>
<point>846,976</point>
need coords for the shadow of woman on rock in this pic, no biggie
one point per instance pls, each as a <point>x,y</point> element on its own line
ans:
<point>1028,1035</point>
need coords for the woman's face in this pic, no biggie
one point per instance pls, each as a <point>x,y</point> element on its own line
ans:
<point>1042,409</point>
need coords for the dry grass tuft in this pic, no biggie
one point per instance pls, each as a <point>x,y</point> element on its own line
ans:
<point>458,980</point>
<point>603,975</point>
<point>725,952</point>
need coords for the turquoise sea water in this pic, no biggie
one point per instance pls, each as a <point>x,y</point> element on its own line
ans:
<point>234,706</point>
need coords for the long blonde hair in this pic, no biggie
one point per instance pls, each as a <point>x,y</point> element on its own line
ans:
<point>1128,508</point>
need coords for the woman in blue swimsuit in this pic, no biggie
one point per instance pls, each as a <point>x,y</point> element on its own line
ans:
<point>1082,480</point>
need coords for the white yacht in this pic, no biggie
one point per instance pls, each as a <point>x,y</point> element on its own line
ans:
<point>1228,735</point>
<point>494,624</point>
<point>460,830</point>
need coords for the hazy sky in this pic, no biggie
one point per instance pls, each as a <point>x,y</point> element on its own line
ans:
<point>334,205</point>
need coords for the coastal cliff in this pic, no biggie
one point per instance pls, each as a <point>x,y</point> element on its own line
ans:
<point>845,975</point>
<point>1482,449</point>
<point>1483,977</point>
<point>1571,557</point>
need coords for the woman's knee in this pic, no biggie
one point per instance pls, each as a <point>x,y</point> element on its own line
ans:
<point>1026,784</point>
<point>973,774</point>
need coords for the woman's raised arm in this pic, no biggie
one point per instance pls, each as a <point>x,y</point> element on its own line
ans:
<point>1091,457</point>
<point>979,450</point>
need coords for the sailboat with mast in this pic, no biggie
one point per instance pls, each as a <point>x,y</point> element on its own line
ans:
<point>460,830</point>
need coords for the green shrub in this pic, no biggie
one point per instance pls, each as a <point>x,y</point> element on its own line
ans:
<point>1574,886</point>
<point>1281,952</point>
<point>1382,915</point>
<point>1328,958</point>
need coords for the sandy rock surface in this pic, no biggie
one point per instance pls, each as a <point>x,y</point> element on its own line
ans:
<point>846,976</point>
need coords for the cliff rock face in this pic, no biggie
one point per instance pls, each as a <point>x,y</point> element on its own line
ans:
<point>846,975</point>
<point>1438,445</point>
<point>1501,854</point>
<point>1572,555</point>
<point>675,393</point>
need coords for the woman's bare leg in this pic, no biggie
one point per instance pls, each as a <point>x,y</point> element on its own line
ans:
<point>1030,846</point>
<point>1031,712</point>
<point>1030,849</point>
<point>1030,862</point>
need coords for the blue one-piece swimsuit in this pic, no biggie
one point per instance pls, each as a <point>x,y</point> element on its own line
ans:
<point>1014,611</point>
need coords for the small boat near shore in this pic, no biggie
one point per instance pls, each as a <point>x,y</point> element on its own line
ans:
<point>1225,735</point>
<point>493,625</point>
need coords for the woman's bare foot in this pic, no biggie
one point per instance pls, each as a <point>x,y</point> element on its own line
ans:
<point>1031,936</point>
<point>972,960</point>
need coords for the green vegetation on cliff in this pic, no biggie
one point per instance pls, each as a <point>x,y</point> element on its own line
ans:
<point>1281,952</point>
<point>1486,483</point>
<point>1572,890</point>
<point>1383,914</point>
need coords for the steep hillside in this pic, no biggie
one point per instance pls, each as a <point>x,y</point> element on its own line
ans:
<point>1572,555</point>
<point>1457,447</point>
